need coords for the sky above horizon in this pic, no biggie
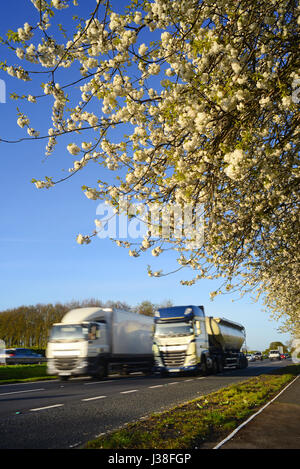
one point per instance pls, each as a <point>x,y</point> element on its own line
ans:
<point>40,259</point>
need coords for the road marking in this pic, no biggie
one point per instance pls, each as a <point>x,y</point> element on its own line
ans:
<point>75,444</point>
<point>187,380</point>
<point>127,392</point>
<point>156,386</point>
<point>93,398</point>
<point>18,392</point>
<point>174,382</point>
<point>202,377</point>
<point>229,437</point>
<point>44,408</point>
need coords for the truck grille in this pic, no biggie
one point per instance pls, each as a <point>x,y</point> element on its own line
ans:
<point>65,363</point>
<point>173,358</point>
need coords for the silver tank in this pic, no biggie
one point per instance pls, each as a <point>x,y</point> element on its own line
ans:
<point>225,334</point>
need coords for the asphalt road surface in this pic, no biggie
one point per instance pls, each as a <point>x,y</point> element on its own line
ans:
<point>61,415</point>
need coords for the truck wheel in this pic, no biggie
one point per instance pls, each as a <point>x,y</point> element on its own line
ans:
<point>204,369</point>
<point>124,371</point>
<point>220,365</point>
<point>102,372</point>
<point>214,368</point>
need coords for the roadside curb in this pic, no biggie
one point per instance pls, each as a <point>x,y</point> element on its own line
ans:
<point>232,434</point>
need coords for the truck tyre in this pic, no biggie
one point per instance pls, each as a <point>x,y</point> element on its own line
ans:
<point>220,365</point>
<point>102,371</point>
<point>64,378</point>
<point>243,362</point>
<point>148,372</point>
<point>204,368</point>
<point>214,368</point>
<point>125,371</point>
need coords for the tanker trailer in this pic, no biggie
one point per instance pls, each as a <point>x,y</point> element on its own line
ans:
<point>225,340</point>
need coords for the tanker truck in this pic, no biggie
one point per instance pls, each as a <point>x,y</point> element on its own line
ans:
<point>95,341</point>
<point>185,340</point>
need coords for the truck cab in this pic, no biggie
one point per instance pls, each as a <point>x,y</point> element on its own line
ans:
<point>180,339</point>
<point>75,349</point>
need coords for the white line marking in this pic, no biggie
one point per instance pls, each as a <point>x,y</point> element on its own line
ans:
<point>156,386</point>
<point>93,398</point>
<point>174,382</point>
<point>48,407</point>
<point>187,380</point>
<point>127,392</point>
<point>202,377</point>
<point>252,416</point>
<point>18,392</point>
<point>74,446</point>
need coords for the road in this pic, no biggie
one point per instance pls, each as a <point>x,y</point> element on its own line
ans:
<point>61,415</point>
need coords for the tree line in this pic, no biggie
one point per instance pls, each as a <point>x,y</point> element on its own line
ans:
<point>29,326</point>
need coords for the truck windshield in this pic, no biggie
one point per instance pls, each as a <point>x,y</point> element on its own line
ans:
<point>69,332</point>
<point>178,329</point>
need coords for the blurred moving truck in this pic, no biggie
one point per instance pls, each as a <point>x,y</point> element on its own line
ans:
<point>95,341</point>
<point>185,340</point>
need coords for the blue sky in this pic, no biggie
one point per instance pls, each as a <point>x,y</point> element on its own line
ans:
<point>41,262</point>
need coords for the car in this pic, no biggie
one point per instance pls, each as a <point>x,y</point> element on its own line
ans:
<point>258,356</point>
<point>16,356</point>
<point>274,355</point>
<point>250,357</point>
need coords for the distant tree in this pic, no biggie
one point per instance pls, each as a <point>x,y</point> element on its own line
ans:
<point>29,326</point>
<point>165,304</point>
<point>275,345</point>
<point>146,307</point>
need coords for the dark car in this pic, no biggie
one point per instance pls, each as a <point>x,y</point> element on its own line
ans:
<point>258,356</point>
<point>15,356</point>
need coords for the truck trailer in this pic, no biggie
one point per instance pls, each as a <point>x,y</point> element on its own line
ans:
<point>186,341</point>
<point>95,341</point>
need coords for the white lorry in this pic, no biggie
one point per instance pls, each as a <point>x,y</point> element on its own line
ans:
<point>274,355</point>
<point>94,341</point>
<point>187,341</point>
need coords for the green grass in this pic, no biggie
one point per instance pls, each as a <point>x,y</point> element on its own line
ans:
<point>205,419</point>
<point>23,373</point>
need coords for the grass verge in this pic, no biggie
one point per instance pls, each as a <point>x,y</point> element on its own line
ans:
<point>202,420</point>
<point>23,373</point>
